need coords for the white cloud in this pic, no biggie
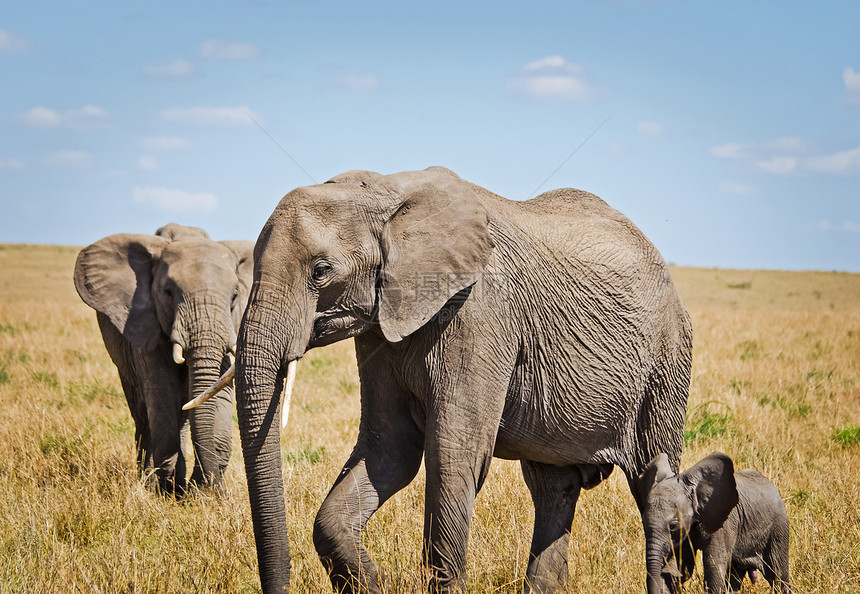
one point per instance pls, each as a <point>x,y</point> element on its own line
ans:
<point>210,116</point>
<point>69,158</point>
<point>551,62</point>
<point>164,143</point>
<point>739,189</point>
<point>147,163</point>
<point>175,69</point>
<point>825,226</point>
<point>732,150</point>
<point>174,200</point>
<point>786,144</point>
<point>562,88</point>
<point>786,154</point>
<point>11,43</point>
<point>360,84</point>
<point>553,79</point>
<point>836,162</point>
<point>11,164</point>
<point>650,129</point>
<point>778,165</point>
<point>224,50</point>
<point>852,84</point>
<point>43,117</point>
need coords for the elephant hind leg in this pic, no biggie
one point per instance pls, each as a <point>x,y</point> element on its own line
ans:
<point>775,568</point>
<point>555,491</point>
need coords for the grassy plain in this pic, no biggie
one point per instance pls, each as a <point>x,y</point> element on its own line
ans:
<point>776,385</point>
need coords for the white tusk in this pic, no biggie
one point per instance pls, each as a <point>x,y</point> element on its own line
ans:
<point>232,355</point>
<point>233,350</point>
<point>178,357</point>
<point>288,391</point>
<point>222,383</point>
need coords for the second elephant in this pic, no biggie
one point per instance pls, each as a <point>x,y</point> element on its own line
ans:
<point>168,306</point>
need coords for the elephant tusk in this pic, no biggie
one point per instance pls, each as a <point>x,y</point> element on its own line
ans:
<point>222,383</point>
<point>288,391</point>
<point>178,356</point>
<point>232,355</point>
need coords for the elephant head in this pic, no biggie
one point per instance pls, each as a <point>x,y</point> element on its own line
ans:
<point>187,296</point>
<point>701,497</point>
<point>361,253</point>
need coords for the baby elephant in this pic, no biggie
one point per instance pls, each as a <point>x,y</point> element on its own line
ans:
<point>737,520</point>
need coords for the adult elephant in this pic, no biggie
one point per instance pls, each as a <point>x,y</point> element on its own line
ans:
<point>547,331</point>
<point>168,306</point>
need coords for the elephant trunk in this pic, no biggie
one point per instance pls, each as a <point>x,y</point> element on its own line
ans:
<point>212,440</point>
<point>206,330</point>
<point>655,561</point>
<point>259,372</point>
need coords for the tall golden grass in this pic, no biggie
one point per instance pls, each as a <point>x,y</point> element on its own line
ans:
<point>776,385</point>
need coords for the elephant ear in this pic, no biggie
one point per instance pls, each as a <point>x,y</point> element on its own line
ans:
<point>244,252</point>
<point>657,470</point>
<point>435,245</point>
<point>114,277</point>
<point>715,492</point>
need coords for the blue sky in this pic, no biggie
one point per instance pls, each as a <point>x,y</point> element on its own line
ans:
<point>729,132</point>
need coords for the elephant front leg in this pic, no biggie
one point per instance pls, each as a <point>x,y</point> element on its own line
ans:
<point>166,451</point>
<point>715,568</point>
<point>458,451</point>
<point>555,491</point>
<point>385,459</point>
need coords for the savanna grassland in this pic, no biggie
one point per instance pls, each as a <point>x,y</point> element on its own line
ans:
<point>776,385</point>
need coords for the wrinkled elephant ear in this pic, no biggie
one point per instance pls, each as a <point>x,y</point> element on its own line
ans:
<point>715,492</point>
<point>244,252</point>
<point>435,245</point>
<point>657,470</point>
<point>114,277</point>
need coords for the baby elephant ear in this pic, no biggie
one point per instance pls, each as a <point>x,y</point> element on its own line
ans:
<point>114,277</point>
<point>715,492</point>
<point>435,245</point>
<point>657,470</point>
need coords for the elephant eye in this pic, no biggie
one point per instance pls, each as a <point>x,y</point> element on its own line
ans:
<point>675,526</point>
<point>235,296</point>
<point>168,291</point>
<point>321,270</point>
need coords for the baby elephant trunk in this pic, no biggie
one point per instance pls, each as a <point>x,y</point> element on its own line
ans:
<point>660,570</point>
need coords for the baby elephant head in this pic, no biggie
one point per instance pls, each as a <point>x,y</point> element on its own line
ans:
<point>700,498</point>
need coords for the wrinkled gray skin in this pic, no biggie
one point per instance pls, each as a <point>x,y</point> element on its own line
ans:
<point>547,331</point>
<point>737,520</point>
<point>154,291</point>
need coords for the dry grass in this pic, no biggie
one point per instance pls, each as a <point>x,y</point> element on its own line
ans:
<point>775,385</point>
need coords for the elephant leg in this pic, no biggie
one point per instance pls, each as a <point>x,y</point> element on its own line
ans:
<point>555,491</point>
<point>166,450</point>
<point>715,570</point>
<point>160,392</point>
<point>458,450</point>
<point>776,559</point>
<point>385,459</point>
